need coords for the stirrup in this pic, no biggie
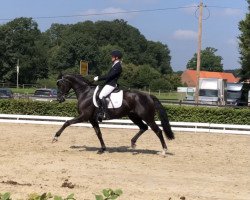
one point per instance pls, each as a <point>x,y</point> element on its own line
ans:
<point>102,116</point>
<point>105,116</point>
<point>99,116</point>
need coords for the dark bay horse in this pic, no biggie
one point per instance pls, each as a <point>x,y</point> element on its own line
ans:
<point>136,105</point>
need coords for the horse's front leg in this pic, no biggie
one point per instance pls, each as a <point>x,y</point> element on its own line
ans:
<point>65,125</point>
<point>95,125</point>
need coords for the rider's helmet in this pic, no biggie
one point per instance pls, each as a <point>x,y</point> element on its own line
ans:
<point>116,54</point>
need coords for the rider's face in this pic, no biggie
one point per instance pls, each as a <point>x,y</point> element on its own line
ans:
<point>113,58</point>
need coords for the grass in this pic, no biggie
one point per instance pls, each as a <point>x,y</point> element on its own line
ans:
<point>23,90</point>
<point>167,95</point>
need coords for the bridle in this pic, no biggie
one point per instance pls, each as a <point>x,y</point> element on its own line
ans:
<point>63,81</point>
<point>69,94</point>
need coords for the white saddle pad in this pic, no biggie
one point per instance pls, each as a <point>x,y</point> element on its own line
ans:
<point>114,100</point>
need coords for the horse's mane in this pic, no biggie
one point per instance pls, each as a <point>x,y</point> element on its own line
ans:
<point>82,79</point>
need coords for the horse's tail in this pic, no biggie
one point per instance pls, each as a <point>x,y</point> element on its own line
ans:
<point>164,118</point>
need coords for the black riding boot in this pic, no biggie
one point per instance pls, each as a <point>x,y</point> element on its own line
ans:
<point>102,114</point>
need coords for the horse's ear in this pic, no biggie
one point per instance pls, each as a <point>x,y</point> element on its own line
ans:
<point>60,76</point>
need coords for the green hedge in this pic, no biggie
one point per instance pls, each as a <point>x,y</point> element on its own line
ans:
<point>217,115</point>
<point>176,113</point>
<point>25,107</point>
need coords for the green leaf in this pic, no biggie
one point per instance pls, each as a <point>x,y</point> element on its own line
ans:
<point>71,196</point>
<point>58,198</point>
<point>6,196</point>
<point>49,195</point>
<point>43,196</point>
<point>99,197</point>
<point>118,192</point>
<point>106,192</point>
<point>115,196</point>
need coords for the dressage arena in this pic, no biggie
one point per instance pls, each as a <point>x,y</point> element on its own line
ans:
<point>197,166</point>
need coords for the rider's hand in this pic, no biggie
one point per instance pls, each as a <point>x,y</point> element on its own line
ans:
<point>96,78</point>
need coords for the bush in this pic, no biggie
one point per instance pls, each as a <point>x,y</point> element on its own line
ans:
<point>218,115</point>
<point>25,107</point>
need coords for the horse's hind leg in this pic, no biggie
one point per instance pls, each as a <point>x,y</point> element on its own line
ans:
<point>99,135</point>
<point>158,132</point>
<point>143,127</point>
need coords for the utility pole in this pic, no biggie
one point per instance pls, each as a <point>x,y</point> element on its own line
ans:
<point>17,73</point>
<point>198,53</point>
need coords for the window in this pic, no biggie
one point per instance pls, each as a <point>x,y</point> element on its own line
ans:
<point>208,93</point>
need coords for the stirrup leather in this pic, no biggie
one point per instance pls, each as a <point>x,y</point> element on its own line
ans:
<point>102,112</point>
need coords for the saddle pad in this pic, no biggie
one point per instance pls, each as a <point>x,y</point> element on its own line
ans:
<point>114,100</point>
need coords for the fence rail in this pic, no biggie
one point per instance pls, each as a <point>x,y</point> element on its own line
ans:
<point>127,124</point>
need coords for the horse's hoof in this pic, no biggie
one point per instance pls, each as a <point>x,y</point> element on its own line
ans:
<point>163,153</point>
<point>133,146</point>
<point>100,151</point>
<point>55,139</point>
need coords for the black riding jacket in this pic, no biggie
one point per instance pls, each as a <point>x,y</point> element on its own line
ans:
<point>113,75</point>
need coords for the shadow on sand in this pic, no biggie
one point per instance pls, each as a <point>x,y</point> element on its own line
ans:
<point>121,149</point>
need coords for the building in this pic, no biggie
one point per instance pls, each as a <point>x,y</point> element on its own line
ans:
<point>189,78</point>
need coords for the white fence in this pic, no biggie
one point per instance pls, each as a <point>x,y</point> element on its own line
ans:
<point>176,126</point>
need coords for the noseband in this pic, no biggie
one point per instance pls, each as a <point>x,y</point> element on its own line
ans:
<point>63,81</point>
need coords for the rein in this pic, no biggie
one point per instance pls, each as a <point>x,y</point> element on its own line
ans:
<point>71,92</point>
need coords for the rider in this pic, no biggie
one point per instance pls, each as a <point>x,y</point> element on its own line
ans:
<point>110,82</point>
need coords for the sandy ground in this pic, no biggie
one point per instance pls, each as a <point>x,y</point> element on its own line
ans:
<point>197,166</point>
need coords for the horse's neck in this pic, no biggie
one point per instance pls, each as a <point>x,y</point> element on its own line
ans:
<point>80,87</point>
<point>81,90</point>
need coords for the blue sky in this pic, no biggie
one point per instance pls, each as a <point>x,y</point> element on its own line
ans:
<point>175,27</point>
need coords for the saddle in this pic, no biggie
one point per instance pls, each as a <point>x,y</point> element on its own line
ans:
<point>114,100</point>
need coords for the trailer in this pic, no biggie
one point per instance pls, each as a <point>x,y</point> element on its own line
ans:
<point>188,93</point>
<point>234,93</point>
<point>238,94</point>
<point>212,91</point>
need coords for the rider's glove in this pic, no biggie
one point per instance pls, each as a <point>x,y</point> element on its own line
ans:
<point>96,78</point>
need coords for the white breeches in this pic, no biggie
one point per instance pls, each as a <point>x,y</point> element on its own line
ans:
<point>106,90</point>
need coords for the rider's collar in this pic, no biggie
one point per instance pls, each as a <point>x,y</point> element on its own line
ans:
<point>116,61</point>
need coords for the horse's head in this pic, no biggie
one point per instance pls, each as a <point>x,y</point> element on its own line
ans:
<point>63,86</point>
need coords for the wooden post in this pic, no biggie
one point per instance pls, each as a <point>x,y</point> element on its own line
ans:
<point>199,54</point>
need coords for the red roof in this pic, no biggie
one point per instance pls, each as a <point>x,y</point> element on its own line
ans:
<point>189,76</point>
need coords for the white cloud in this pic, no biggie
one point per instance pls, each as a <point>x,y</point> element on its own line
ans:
<point>231,12</point>
<point>232,42</point>
<point>136,1</point>
<point>185,35</point>
<point>106,13</point>
<point>190,9</point>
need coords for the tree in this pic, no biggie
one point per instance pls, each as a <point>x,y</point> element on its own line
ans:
<point>20,41</point>
<point>62,47</point>
<point>144,76</point>
<point>127,37</point>
<point>141,76</point>
<point>103,37</point>
<point>55,34</point>
<point>160,84</point>
<point>129,73</point>
<point>158,56</point>
<point>209,61</point>
<point>72,43</point>
<point>174,80</point>
<point>244,44</point>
